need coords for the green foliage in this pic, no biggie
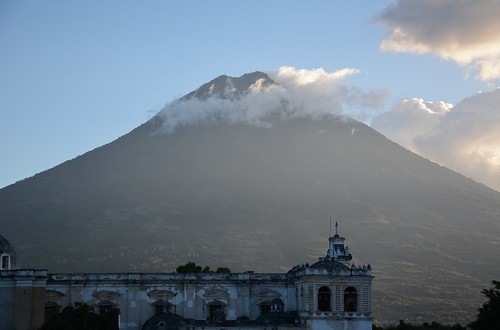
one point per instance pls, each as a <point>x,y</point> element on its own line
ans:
<point>192,267</point>
<point>488,317</point>
<point>223,270</point>
<point>489,314</point>
<point>79,317</point>
<point>425,326</point>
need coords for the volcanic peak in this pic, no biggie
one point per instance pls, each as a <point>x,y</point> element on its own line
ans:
<point>227,87</point>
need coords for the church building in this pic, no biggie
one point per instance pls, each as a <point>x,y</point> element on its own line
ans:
<point>331,293</point>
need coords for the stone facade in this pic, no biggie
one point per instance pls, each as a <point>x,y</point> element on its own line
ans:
<point>329,294</point>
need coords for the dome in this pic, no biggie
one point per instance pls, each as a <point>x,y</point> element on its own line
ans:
<point>331,266</point>
<point>7,254</point>
<point>163,321</point>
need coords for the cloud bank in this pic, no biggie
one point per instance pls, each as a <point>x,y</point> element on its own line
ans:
<point>465,138</point>
<point>298,93</point>
<point>464,31</point>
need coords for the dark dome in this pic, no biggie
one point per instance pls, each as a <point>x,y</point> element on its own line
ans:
<point>330,265</point>
<point>162,321</point>
<point>7,248</point>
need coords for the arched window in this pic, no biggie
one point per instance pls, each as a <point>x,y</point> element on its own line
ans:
<point>5,262</point>
<point>324,299</point>
<point>350,299</point>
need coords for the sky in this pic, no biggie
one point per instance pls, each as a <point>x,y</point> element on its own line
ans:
<point>75,75</point>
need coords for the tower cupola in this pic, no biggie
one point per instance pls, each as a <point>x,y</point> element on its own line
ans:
<point>336,249</point>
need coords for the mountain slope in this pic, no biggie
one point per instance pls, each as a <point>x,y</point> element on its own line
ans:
<point>259,198</point>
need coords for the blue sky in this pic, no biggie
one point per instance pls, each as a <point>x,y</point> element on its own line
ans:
<point>78,74</point>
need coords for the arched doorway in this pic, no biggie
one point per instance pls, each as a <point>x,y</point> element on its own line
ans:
<point>216,313</point>
<point>324,299</point>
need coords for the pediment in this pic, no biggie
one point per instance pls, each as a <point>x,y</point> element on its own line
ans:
<point>216,294</point>
<point>267,294</point>
<point>161,294</point>
<point>106,295</point>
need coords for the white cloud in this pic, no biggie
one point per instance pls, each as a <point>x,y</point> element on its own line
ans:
<point>411,118</point>
<point>464,31</point>
<point>465,138</point>
<point>292,77</point>
<point>300,93</point>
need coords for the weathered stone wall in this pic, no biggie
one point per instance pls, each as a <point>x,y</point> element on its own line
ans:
<point>25,293</point>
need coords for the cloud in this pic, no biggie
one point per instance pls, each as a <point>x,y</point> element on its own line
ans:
<point>293,78</point>
<point>411,118</point>
<point>465,138</point>
<point>464,31</point>
<point>299,93</point>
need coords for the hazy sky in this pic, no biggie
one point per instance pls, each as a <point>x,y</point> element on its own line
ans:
<point>75,75</point>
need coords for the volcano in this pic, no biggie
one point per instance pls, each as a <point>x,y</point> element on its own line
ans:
<point>258,195</point>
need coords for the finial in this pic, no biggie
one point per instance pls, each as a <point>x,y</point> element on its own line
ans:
<point>336,228</point>
<point>330,227</point>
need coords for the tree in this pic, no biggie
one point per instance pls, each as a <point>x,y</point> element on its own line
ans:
<point>192,267</point>
<point>79,317</point>
<point>489,314</point>
<point>223,270</point>
<point>425,326</point>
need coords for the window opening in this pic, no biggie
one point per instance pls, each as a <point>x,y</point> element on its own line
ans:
<point>160,307</point>
<point>350,299</point>
<point>324,298</point>
<point>111,315</point>
<point>265,307</point>
<point>216,313</point>
<point>51,309</point>
<point>5,262</point>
